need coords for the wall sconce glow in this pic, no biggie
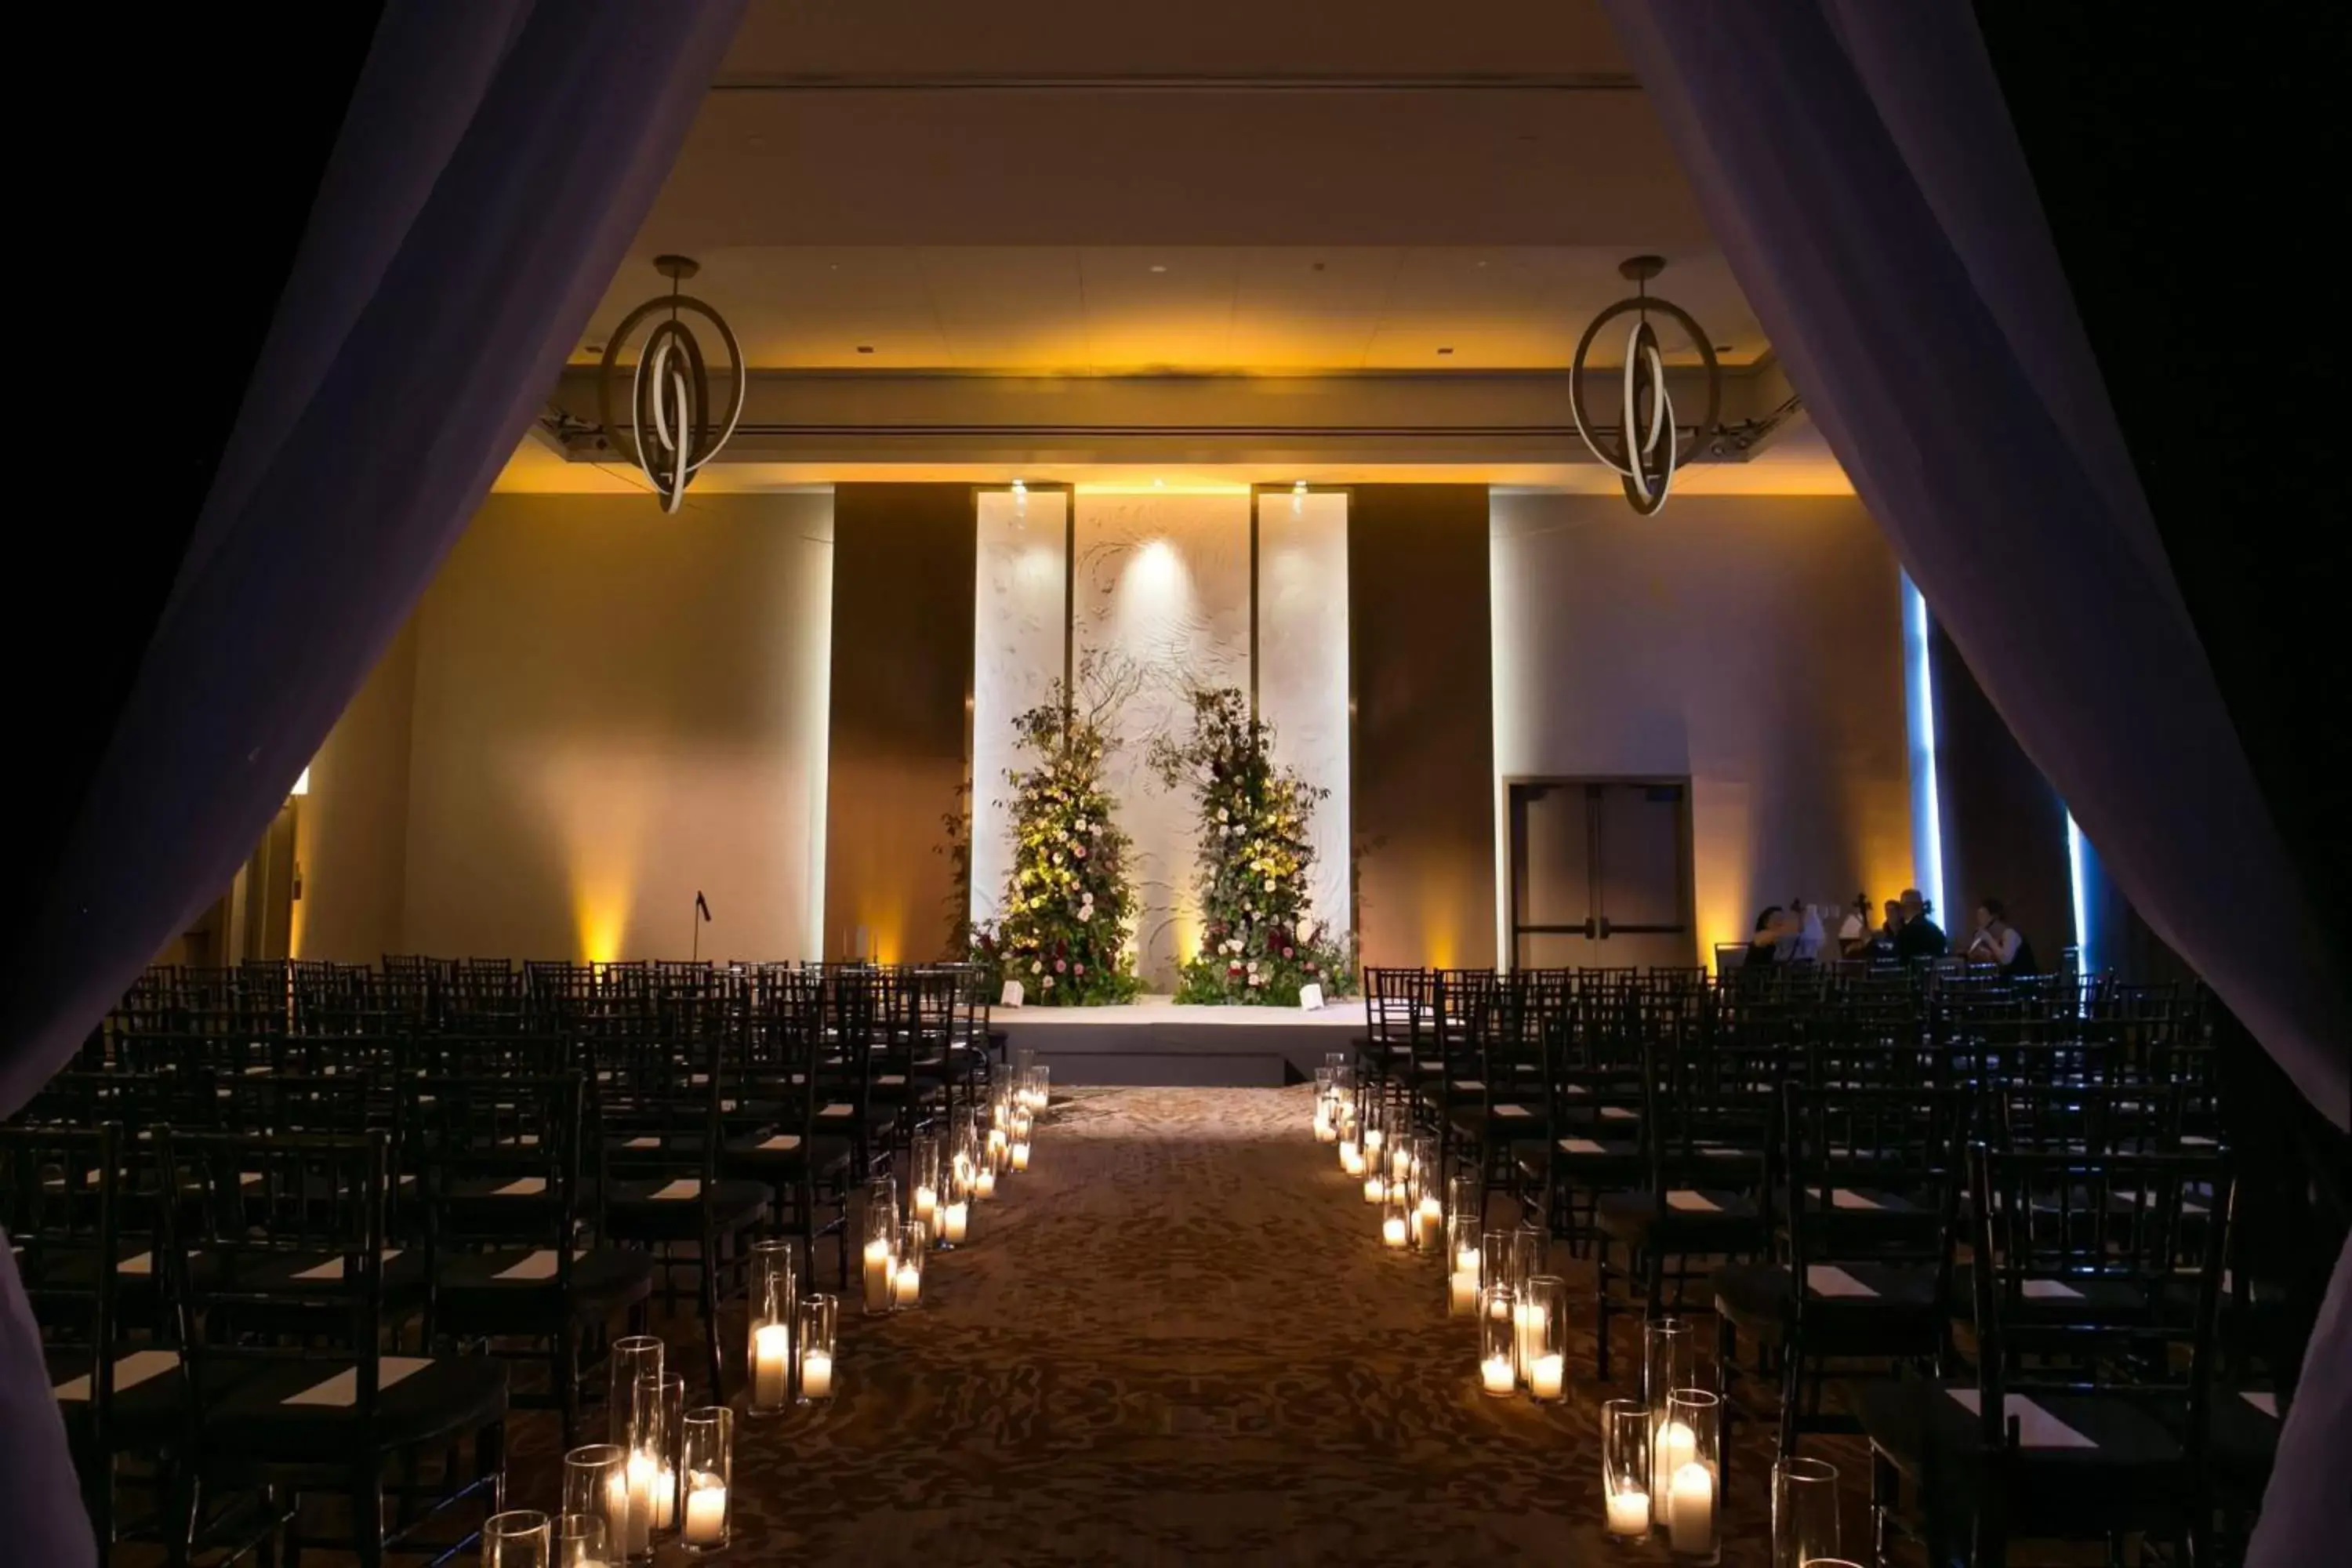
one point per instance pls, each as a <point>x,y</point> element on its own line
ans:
<point>1020,498</point>
<point>1919,703</point>
<point>301,784</point>
<point>1298,498</point>
<point>2079,882</point>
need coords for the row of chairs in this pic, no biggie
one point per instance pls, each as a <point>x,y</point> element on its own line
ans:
<point>1962,1195</point>
<point>442,1222</point>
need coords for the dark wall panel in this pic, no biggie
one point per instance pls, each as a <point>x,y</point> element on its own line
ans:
<point>903,557</point>
<point>1419,671</point>
<point>2005,826</point>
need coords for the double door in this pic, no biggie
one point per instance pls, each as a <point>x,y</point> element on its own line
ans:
<point>1601,873</point>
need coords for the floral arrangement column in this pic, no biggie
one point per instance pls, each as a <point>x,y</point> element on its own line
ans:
<point>1259,942</point>
<point>1062,930</point>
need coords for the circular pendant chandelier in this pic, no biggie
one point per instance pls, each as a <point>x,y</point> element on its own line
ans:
<point>1648,448</point>
<point>669,432</point>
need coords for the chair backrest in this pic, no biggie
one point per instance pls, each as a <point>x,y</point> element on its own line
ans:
<point>497,1163</point>
<point>278,1249</point>
<point>2077,1270</point>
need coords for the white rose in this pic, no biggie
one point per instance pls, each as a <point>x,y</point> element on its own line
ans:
<point>1039,967</point>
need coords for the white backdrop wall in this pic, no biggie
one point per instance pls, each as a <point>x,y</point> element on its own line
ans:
<point>1021,624</point>
<point>1302,674</point>
<point>1752,644</point>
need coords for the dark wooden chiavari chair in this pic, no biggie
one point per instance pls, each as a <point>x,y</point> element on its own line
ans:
<point>2087,1416</point>
<point>514,1266</point>
<point>285,1288</point>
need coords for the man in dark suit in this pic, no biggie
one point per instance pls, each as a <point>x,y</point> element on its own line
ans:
<point>1920,936</point>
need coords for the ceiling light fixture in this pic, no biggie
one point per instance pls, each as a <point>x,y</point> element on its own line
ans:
<point>669,432</point>
<point>1648,447</point>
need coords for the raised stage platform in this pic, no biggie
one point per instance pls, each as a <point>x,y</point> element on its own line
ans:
<point>1156,1042</point>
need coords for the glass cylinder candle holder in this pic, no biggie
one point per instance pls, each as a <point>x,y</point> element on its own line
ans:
<point>1497,1372</point>
<point>774,1293</point>
<point>596,1482</point>
<point>1528,1244</point>
<point>1541,1316</point>
<point>881,1242</point>
<point>1352,1152</point>
<point>671,1408</point>
<point>1495,1261</point>
<point>1804,1512</point>
<point>582,1540</point>
<point>1625,1469</point>
<point>820,1320</point>
<point>1023,1125</point>
<point>1686,1471</point>
<point>1041,1086</point>
<point>1669,1360</point>
<point>1374,1134</point>
<point>1462,1262</point>
<point>924,1175</point>
<point>907,1272</point>
<point>1327,1125</point>
<point>1396,1221</point>
<point>1376,1185</point>
<point>707,1471</point>
<point>520,1539</point>
<point>1400,1158</point>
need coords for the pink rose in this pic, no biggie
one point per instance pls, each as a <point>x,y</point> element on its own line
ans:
<point>1287,953</point>
<point>1061,966</point>
<point>1081,969</point>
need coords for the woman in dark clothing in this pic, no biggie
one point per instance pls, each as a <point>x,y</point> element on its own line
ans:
<point>2000,943</point>
<point>1766,943</point>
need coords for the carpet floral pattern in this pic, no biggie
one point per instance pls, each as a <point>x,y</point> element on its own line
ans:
<point>1177,1340</point>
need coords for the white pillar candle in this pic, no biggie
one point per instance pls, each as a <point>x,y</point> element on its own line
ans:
<point>926,1201</point>
<point>906,1288</point>
<point>984,1185</point>
<point>771,1349</point>
<point>1373,1138</point>
<point>1690,1510</point>
<point>955,1216</point>
<point>1673,1446</point>
<point>1399,1163</point>
<point>1352,1159</point>
<point>1392,1231</point>
<point>1462,1292</point>
<point>1325,1132</point>
<point>996,1142</point>
<point>1375,1190</point>
<point>706,1513</point>
<point>1545,1375</point>
<point>817,1374</point>
<point>1495,1374</point>
<point>878,1275</point>
<point>1428,1222</point>
<point>1629,1512</point>
<point>1527,1336</point>
<point>665,1499</point>
<point>1021,1156</point>
<point>637,1510</point>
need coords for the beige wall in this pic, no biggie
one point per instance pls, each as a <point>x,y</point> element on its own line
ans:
<point>1753,644</point>
<point>615,709</point>
<point>351,832</point>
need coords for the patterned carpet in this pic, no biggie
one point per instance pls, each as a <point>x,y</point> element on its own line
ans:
<point>1176,1340</point>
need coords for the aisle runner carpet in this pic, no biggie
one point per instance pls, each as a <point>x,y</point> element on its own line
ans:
<point>1182,1342</point>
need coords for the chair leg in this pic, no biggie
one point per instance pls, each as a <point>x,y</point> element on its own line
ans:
<point>367,1510</point>
<point>1600,1313</point>
<point>567,1378</point>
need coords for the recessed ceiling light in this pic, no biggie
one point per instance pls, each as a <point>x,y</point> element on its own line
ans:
<point>1160,267</point>
<point>865,348</point>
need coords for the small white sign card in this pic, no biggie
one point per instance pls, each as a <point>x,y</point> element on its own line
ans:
<point>1310,998</point>
<point>1013,994</point>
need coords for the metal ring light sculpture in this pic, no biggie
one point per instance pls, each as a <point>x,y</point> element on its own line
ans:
<point>1646,453</point>
<point>669,434</point>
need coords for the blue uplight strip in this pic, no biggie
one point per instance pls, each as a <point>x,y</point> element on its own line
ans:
<point>1926,810</point>
<point>2078,879</point>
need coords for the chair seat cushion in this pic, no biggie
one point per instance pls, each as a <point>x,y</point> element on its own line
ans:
<point>1727,1222</point>
<point>150,1395</point>
<point>1853,1308</point>
<point>513,1289</point>
<point>2129,1470</point>
<point>420,1401</point>
<point>672,1209</point>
